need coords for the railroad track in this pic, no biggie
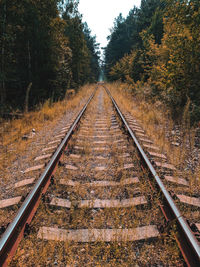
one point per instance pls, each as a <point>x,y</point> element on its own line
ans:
<point>100,200</point>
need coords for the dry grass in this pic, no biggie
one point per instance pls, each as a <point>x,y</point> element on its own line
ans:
<point>156,121</point>
<point>16,154</point>
<point>11,132</point>
<point>159,251</point>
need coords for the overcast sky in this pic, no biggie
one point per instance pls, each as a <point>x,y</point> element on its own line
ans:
<point>100,15</point>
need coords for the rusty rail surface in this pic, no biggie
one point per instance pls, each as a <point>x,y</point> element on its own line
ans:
<point>186,240</point>
<point>15,231</point>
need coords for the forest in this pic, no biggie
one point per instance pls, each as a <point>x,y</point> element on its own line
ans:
<point>156,50</point>
<point>45,49</point>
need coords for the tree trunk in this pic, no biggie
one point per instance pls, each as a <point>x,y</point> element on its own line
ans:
<point>29,62</point>
<point>3,91</point>
<point>27,97</point>
<point>29,76</point>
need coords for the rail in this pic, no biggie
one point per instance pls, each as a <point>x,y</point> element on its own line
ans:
<point>186,240</point>
<point>15,231</point>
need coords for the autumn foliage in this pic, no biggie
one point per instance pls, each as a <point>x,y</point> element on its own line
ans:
<point>166,61</point>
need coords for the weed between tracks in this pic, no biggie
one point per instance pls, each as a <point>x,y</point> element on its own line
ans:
<point>158,125</point>
<point>16,154</point>
<point>157,252</point>
<point>11,132</point>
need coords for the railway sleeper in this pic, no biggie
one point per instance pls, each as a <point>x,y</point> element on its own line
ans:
<point>98,235</point>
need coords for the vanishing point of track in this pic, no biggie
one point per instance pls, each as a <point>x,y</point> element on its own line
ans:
<point>184,236</point>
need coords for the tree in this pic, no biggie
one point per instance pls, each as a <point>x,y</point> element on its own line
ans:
<point>126,34</point>
<point>84,49</point>
<point>93,47</point>
<point>43,43</point>
<point>180,75</point>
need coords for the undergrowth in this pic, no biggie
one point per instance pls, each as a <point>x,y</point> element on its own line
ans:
<point>139,253</point>
<point>12,131</point>
<point>156,120</point>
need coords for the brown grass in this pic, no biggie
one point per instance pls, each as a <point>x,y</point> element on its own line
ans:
<point>156,121</point>
<point>162,250</point>
<point>11,132</point>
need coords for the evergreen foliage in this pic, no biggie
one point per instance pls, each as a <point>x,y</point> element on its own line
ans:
<point>46,44</point>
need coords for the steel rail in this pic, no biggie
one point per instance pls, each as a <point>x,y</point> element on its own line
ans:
<point>186,240</point>
<point>15,231</point>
